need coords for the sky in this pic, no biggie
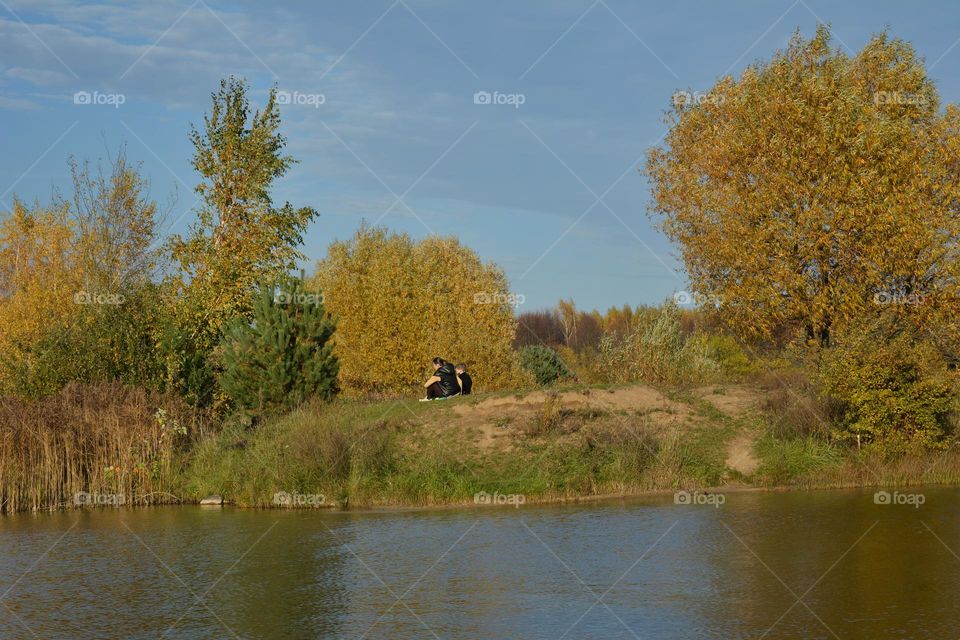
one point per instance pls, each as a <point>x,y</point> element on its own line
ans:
<point>520,127</point>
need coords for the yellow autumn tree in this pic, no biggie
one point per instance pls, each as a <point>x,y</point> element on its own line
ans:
<point>400,302</point>
<point>76,297</point>
<point>815,189</point>
<point>38,280</point>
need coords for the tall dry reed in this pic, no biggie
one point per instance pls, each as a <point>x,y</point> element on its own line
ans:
<point>102,444</point>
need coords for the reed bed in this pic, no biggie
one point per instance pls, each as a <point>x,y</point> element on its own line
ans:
<point>91,445</point>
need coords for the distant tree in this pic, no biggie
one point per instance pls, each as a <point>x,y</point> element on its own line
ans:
<point>539,327</point>
<point>116,224</point>
<point>284,356</point>
<point>814,187</point>
<point>544,364</point>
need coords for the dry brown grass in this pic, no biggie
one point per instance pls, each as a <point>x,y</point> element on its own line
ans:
<point>105,440</point>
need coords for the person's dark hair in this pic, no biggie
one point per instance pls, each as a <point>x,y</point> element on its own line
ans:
<point>461,367</point>
<point>439,361</point>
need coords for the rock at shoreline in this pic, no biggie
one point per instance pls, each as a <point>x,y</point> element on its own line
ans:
<point>212,500</point>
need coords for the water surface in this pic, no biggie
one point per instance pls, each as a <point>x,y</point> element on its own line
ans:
<point>829,564</point>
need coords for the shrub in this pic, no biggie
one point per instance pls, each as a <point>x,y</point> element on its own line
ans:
<point>100,343</point>
<point>400,302</point>
<point>544,364</point>
<point>893,386</point>
<point>283,357</point>
<point>794,406</point>
<point>658,350</point>
<point>726,352</point>
<point>786,461</point>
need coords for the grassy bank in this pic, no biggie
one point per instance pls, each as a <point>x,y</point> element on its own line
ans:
<point>562,444</point>
<point>112,445</point>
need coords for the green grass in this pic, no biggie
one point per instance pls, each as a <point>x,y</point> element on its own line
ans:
<point>398,453</point>
<point>784,462</point>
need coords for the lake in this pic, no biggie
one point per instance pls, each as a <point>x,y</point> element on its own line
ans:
<point>826,564</point>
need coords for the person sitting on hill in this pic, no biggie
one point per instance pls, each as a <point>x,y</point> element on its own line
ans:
<point>443,383</point>
<point>466,382</point>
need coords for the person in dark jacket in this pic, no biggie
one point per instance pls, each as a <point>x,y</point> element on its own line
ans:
<point>443,383</point>
<point>466,382</point>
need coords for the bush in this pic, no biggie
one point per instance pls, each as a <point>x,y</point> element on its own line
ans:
<point>98,343</point>
<point>658,350</point>
<point>786,461</point>
<point>400,302</point>
<point>544,364</point>
<point>893,386</point>
<point>283,357</point>
<point>794,407</point>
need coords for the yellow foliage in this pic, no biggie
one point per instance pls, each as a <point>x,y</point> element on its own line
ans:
<point>815,189</point>
<point>38,277</point>
<point>400,302</point>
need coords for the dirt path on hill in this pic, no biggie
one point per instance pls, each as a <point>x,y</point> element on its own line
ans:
<point>736,403</point>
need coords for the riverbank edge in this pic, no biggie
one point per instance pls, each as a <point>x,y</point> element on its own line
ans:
<point>537,501</point>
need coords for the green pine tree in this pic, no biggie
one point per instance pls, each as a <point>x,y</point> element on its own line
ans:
<point>284,356</point>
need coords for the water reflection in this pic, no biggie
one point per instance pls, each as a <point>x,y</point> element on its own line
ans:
<point>811,565</point>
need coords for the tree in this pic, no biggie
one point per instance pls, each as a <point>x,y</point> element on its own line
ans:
<point>77,302</point>
<point>400,302</point>
<point>284,356</point>
<point>544,364</point>
<point>892,389</point>
<point>37,283</point>
<point>539,327</point>
<point>239,239</point>
<point>815,187</point>
<point>116,225</point>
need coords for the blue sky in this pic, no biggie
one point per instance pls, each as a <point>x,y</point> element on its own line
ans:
<point>549,189</point>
